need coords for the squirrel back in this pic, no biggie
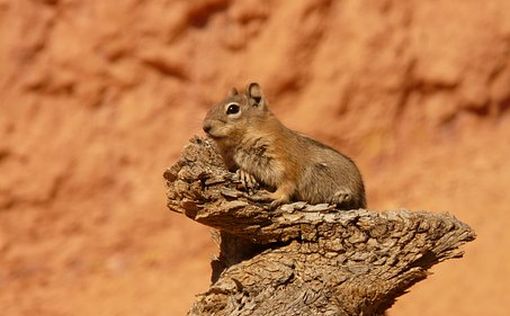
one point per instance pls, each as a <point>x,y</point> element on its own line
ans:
<point>254,142</point>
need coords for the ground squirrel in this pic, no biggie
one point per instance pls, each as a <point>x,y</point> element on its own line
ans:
<point>254,142</point>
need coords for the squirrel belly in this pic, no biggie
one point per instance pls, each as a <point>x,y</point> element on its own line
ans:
<point>251,139</point>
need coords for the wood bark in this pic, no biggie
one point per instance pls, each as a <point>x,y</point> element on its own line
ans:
<point>302,259</point>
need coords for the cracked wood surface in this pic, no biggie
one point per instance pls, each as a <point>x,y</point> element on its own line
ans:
<point>302,259</point>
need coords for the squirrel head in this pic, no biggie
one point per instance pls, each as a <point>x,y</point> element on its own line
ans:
<point>228,120</point>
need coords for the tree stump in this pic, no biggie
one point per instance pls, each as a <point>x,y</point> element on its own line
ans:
<point>302,259</point>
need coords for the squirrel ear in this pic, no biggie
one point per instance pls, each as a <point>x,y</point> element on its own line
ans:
<point>233,92</point>
<point>254,93</point>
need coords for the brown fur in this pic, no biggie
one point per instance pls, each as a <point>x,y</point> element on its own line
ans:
<point>254,142</point>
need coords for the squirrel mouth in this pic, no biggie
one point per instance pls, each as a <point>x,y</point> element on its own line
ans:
<point>215,137</point>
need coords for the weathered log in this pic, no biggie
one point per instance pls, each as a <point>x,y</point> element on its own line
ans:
<point>302,259</point>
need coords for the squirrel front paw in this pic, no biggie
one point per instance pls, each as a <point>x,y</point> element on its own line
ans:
<point>248,181</point>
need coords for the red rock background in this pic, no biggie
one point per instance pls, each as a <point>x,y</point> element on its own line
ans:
<point>98,97</point>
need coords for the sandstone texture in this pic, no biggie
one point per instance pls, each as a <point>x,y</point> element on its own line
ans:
<point>97,98</point>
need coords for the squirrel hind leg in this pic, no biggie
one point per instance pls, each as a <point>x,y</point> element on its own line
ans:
<point>279,201</point>
<point>266,197</point>
<point>281,196</point>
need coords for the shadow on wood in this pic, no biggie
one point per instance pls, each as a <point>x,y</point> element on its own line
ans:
<point>304,259</point>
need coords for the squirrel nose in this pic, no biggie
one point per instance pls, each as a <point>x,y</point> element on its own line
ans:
<point>207,127</point>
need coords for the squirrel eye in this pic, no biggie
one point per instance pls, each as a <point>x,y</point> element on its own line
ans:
<point>233,108</point>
